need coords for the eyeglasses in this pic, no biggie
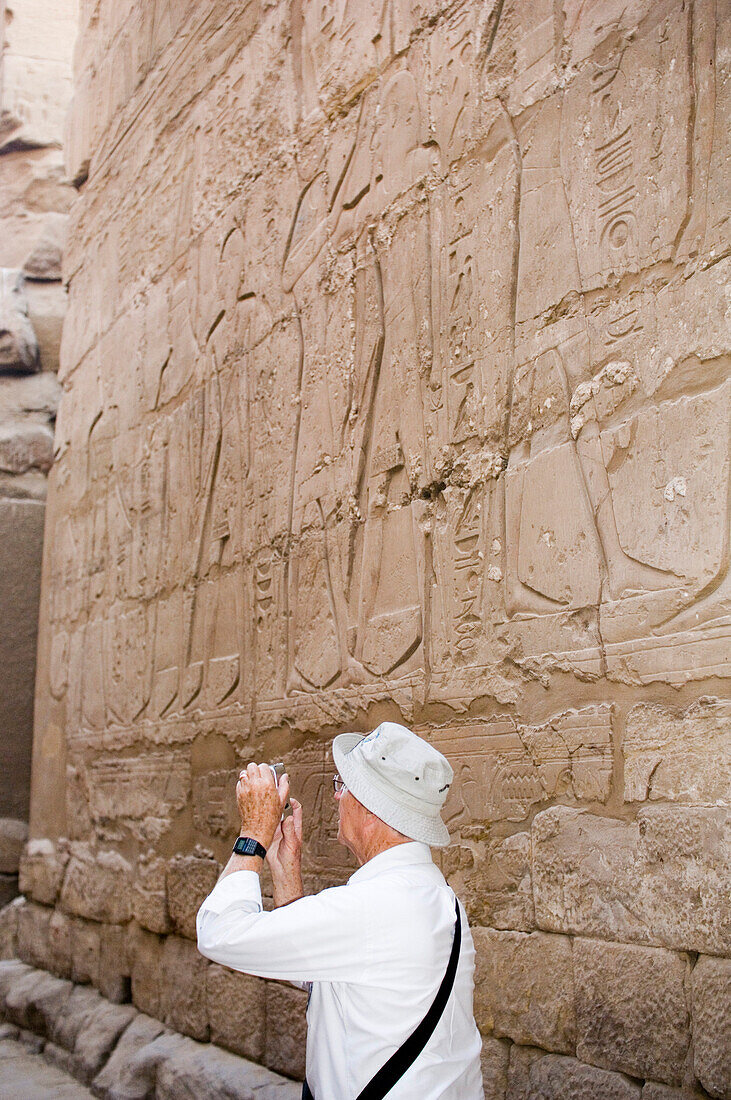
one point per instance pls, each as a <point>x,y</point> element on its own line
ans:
<point>338,785</point>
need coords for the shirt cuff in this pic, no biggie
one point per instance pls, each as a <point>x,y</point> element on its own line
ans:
<point>236,887</point>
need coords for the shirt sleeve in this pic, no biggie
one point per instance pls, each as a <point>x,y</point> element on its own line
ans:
<point>317,938</point>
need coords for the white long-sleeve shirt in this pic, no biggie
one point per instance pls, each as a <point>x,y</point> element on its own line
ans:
<point>375,951</point>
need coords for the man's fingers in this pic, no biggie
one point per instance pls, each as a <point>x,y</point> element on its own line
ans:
<point>297,818</point>
<point>283,789</point>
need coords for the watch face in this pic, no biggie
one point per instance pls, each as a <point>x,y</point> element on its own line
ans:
<point>247,846</point>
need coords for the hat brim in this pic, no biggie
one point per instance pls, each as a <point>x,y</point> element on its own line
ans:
<point>425,827</point>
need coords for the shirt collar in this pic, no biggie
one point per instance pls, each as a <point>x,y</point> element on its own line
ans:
<point>401,855</point>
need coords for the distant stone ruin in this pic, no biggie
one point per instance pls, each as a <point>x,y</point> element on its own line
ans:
<point>396,385</point>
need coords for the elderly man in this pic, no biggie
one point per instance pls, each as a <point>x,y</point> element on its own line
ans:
<point>388,957</point>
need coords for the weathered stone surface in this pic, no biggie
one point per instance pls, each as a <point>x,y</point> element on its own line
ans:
<point>36,1001</point>
<point>25,447</point>
<point>184,988</point>
<point>520,1061</point>
<point>13,835</point>
<point>42,867</point>
<point>285,1046</point>
<point>18,345</point>
<point>652,1090</point>
<point>494,881</point>
<point>632,1010</point>
<point>96,1040</point>
<point>60,944</point>
<point>189,881</point>
<point>33,935</point>
<point>678,756</point>
<point>114,979</point>
<point>44,261</point>
<point>11,971</point>
<point>395,381</point>
<point>97,885</point>
<point>236,1007</point>
<point>78,1015</point>
<point>660,880</point>
<point>145,960</point>
<point>85,950</point>
<point>21,540</point>
<point>524,988</point>
<point>9,915</point>
<point>149,896</point>
<point>711,984</point>
<point>494,1061</point>
<point>120,1078</point>
<point>558,1078</point>
<point>8,888</point>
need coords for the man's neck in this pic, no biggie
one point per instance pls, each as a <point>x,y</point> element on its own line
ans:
<point>378,846</point>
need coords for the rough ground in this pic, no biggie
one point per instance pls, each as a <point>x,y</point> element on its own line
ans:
<point>25,1075</point>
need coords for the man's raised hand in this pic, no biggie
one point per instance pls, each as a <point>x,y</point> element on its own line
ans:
<point>260,802</point>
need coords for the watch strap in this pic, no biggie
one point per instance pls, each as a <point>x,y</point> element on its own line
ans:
<point>247,846</point>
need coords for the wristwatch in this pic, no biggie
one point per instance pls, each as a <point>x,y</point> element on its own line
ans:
<point>247,846</point>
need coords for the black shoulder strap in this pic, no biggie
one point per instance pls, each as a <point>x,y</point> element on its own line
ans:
<point>396,1066</point>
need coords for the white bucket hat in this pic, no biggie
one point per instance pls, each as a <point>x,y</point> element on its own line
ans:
<point>399,777</point>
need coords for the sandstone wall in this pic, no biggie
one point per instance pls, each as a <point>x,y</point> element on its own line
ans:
<point>396,385</point>
<point>35,89</point>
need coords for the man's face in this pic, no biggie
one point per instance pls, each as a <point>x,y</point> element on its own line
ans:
<point>350,820</point>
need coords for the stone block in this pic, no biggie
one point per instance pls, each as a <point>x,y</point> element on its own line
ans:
<point>660,880</point>
<point>149,895</point>
<point>653,1090</point>
<point>97,885</point>
<point>286,1041</point>
<point>145,951</point>
<point>494,882</point>
<point>85,951</point>
<point>520,1062</point>
<point>37,1001</point>
<point>80,1010</point>
<point>60,944</point>
<point>11,971</point>
<point>42,867</point>
<point>9,915</point>
<point>494,1062</point>
<point>632,1011</point>
<point>184,988</point>
<point>711,986</point>
<point>113,980</point>
<point>189,882</point>
<point>236,1011</point>
<point>118,1079</point>
<point>44,261</point>
<point>96,1040</point>
<point>680,756</point>
<point>8,889</point>
<point>207,1073</point>
<point>524,988</point>
<point>13,836</point>
<point>558,1078</point>
<point>25,446</point>
<point>33,935</point>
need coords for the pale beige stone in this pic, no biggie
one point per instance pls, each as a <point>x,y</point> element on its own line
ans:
<point>13,835</point>
<point>678,756</point>
<point>524,988</point>
<point>9,916</point>
<point>118,1079</point>
<point>286,1033</point>
<point>33,935</point>
<point>97,885</point>
<point>145,960</point>
<point>42,867</point>
<point>236,1006</point>
<point>711,985</point>
<point>183,988</point>
<point>149,896</point>
<point>96,1040</point>
<point>558,1078</point>
<point>494,1062</point>
<point>189,881</point>
<point>634,881</point>
<point>632,1010</point>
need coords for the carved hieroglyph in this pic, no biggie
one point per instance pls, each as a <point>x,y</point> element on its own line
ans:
<point>396,384</point>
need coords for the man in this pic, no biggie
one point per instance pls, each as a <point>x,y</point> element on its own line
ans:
<point>380,954</point>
